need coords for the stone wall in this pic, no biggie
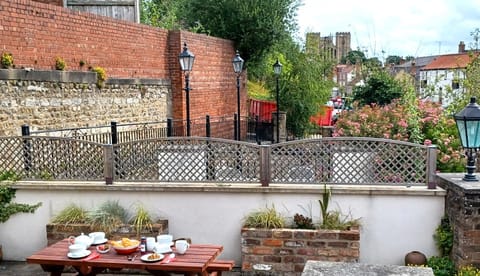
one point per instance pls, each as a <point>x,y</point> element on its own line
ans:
<point>287,250</point>
<point>56,100</point>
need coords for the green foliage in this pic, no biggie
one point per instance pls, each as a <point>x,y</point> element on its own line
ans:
<point>6,60</point>
<point>60,64</point>
<point>444,237</point>
<point>267,218</point>
<point>393,60</point>
<point>380,88</point>
<point>257,90</point>
<point>72,214</point>
<point>468,271</point>
<point>165,14</point>
<point>141,219</point>
<point>324,202</point>
<point>81,63</point>
<point>354,57</point>
<point>7,194</point>
<point>101,75</point>
<point>254,26</point>
<point>303,222</point>
<point>441,266</point>
<point>108,216</point>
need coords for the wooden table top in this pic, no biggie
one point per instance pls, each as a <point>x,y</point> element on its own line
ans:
<point>195,260</point>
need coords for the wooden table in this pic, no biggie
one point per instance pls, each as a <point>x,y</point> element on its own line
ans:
<point>195,261</point>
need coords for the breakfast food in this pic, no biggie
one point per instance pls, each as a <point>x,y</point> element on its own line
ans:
<point>153,256</point>
<point>125,242</point>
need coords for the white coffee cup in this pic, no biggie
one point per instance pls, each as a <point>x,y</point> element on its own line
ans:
<point>76,249</point>
<point>165,239</point>
<point>150,243</point>
<point>97,237</point>
<point>181,246</point>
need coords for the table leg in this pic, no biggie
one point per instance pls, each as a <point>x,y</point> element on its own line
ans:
<point>55,270</point>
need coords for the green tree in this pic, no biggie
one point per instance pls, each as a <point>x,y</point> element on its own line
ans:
<point>254,26</point>
<point>165,14</point>
<point>354,57</point>
<point>380,88</point>
<point>393,60</point>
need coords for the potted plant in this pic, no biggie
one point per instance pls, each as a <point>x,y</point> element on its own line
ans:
<point>7,194</point>
<point>270,238</point>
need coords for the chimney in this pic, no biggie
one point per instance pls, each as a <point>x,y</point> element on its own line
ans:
<point>461,47</point>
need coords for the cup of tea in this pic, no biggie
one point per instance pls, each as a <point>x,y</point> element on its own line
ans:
<point>76,249</point>
<point>150,243</point>
<point>181,246</point>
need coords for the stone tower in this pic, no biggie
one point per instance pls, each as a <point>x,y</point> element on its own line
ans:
<point>342,43</point>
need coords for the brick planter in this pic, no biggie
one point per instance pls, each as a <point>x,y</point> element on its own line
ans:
<point>57,232</point>
<point>287,250</point>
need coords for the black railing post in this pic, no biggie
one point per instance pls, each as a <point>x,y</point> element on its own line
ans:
<point>169,127</point>
<point>27,146</point>
<point>207,126</point>
<point>113,127</point>
<point>235,129</point>
<point>257,130</point>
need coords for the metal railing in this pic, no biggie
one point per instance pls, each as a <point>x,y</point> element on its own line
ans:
<point>340,160</point>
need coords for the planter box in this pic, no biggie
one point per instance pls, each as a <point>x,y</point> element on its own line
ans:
<point>287,250</point>
<point>57,232</point>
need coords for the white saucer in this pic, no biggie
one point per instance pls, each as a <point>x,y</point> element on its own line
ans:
<point>100,242</point>
<point>82,255</point>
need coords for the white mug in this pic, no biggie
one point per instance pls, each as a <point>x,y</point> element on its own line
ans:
<point>181,246</point>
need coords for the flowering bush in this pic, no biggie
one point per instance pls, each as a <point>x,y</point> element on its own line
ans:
<point>397,121</point>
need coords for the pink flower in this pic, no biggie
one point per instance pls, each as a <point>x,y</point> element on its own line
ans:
<point>427,142</point>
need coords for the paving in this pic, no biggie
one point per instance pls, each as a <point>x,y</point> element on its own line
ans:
<point>11,268</point>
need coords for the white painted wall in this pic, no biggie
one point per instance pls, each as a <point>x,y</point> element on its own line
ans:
<point>395,220</point>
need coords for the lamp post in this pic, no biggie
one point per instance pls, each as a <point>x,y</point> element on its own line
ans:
<point>237,68</point>
<point>468,124</point>
<point>186,59</point>
<point>277,69</point>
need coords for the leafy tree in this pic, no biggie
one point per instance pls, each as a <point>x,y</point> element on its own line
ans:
<point>162,13</point>
<point>354,57</point>
<point>393,60</point>
<point>254,26</point>
<point>408,58</point>
<point>380,88</point>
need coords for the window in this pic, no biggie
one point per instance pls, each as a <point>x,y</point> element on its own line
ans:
<point>423,83</point>
<point>455,84</point>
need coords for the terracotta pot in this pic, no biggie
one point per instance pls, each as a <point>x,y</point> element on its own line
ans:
<point>415,258</point>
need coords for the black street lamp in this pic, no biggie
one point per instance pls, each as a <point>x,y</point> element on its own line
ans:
<point>468,124</point>
<point>186,59</point>
<point>277,69</point>
<point>237,68</point>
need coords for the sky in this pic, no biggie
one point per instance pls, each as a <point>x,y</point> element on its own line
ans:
<point>402,28</point>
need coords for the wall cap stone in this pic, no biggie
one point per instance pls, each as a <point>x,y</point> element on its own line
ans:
<point>48,75</point>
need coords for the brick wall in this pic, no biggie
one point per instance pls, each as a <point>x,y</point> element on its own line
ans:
<point>462,206</point>
<point>36,33</point>
<point>287,250</point>
<point>51,2</point>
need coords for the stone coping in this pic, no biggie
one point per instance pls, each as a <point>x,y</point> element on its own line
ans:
<point>353,269</point>
<point>230,188</point>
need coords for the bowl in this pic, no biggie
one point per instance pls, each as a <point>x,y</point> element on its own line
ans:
<point>103,248</point>
<point>126,250</point>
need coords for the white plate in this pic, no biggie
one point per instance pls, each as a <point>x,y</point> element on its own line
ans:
<point>100,242</point>
<point>145,258</point>
<point>82,255</point>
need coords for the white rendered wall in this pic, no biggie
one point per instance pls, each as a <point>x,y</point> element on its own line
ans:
<point>395,220</point>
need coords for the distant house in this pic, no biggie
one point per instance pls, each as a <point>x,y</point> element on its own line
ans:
<point>413,67</point>
<point>441,79</point>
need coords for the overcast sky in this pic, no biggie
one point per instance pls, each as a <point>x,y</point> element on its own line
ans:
<point>403,28</point>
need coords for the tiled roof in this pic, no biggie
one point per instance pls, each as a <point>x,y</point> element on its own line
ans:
<point>417,62</point>
<point>451,61</point>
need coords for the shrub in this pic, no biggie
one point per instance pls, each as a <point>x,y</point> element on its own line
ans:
<point>267,217</point>
<point>468,271</point>
<point>101,75</point>
<point>444,237</point>
<point>303,222</point>
<point>108,216</point>
<point>60,64</point>
<point>441,266</point>
<point>72,214</point>
<point>6,60</point>
<point>141,219</point>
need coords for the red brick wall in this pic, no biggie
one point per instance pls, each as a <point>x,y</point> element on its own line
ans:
<point>52,2</point>
<point>37,33</point>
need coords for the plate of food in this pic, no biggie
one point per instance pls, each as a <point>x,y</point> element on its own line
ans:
<point>125,246</point>
<point>153,257</point>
